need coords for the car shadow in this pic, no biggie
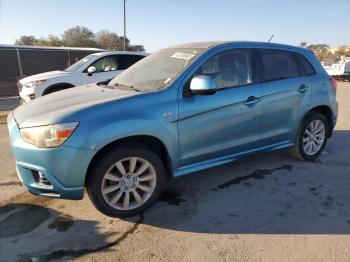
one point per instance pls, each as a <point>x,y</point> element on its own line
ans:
<point>267,193</point>
<point>34,233</point>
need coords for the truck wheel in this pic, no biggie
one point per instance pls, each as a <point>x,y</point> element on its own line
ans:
<point>312,137</point>
<point>126,181</point>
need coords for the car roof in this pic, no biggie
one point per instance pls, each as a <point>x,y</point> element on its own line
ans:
<point>211,44</point>
<point>121,53</point>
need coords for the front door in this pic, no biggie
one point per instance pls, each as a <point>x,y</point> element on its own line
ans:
<point>106,68</point>
<point>226,122</point>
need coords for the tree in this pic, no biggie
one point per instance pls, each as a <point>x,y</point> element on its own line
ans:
<point>111,41</point>
<point>303,44</point>
<point>137,48</point>
<point>54,41</point>
<point>108,40</point>
<point>79,36</point>
<point>26,40</point>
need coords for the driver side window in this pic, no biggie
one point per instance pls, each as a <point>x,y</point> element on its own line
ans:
<point>229,68</point>
<point>106,64</point>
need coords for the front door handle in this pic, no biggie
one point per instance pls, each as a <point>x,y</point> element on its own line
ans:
<point>252,100</point>
<point>303,88</point>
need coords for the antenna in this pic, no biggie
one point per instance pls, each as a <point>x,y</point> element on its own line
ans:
<point>270,38</point>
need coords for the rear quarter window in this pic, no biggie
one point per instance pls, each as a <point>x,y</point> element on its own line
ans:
<point>305,65</point>
<point>278,64</point>
<point>126,61</point>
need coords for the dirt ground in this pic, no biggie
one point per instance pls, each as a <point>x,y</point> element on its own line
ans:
<point>266,207</point>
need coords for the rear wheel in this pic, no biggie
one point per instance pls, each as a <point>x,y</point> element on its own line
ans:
<point>126,181</point>
<point>311,138</point>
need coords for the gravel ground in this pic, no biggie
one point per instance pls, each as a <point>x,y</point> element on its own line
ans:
<point>266,207</point>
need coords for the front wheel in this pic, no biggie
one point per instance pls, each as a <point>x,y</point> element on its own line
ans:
<point>312,137</point>
<point>126,181</point>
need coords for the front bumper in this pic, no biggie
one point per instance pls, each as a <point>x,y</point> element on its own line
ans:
<point>56,172</point>
<point>26,94</point>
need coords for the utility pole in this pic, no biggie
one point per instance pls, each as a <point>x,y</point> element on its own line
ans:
<point>124,25</point>
<point>0,21</point>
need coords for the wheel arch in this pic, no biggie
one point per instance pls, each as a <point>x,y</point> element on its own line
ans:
<point>50,88</point>
<point>143,140</point>
<point>326,111</point>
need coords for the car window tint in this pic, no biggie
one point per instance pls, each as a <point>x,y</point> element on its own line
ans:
<point>306,65</point>
<point>128,60</point>
<point>106,64</point>
<point>229,68</point>
<point>278,64</point>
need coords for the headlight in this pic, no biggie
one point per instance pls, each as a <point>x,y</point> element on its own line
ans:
<point>35,83</point>
<point>48,136</point>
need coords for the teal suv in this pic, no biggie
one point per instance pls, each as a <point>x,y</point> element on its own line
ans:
<point>180,110</point>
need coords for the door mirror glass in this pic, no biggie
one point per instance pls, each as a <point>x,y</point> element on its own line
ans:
<point>91,70</point>
<point>203,85</point>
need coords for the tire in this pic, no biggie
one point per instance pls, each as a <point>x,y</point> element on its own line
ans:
<point>300,149</point>
<point>99,182</point>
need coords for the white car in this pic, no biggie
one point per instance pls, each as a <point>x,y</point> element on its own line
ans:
<point>94,68</point>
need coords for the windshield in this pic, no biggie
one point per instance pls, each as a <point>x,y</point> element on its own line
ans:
<point>156,71</point>
<point>81,63</point>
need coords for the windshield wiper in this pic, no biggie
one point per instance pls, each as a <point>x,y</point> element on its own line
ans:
<point>123,86</point>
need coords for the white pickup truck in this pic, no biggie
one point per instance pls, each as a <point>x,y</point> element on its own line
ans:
<point>341,69</point>
<point>94,68</point>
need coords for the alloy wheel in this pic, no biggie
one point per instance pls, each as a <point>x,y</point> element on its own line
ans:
<point>129,183</point>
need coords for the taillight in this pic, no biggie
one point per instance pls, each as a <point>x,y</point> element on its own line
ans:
<point>333,82</point>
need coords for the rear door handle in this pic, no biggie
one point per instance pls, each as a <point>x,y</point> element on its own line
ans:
<point>303,88</point>
<point>252,100</point>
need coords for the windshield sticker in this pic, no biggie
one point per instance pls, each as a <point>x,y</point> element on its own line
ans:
<point>181,55</point>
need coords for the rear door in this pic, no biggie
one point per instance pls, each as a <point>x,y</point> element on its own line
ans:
<point>285,96</point>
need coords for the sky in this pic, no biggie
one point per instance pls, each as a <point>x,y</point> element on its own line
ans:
<point>161,23</point>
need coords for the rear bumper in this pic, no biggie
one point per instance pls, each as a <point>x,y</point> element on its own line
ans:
<point>56,172</point>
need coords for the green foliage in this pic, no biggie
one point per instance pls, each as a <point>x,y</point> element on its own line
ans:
<point>80,36</point>
<point>26,40</point>
<point>322,52</point>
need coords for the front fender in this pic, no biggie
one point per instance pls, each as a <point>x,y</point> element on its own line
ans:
<point>165,132</point>
<point>153,114</point>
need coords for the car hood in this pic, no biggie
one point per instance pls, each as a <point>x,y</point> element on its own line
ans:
<point>43,76</point>
<point>53,108</point>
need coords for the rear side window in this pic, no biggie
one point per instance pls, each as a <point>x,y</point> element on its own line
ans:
<point>306,66</point>
<point>278,64</point>
<point>128,60</point>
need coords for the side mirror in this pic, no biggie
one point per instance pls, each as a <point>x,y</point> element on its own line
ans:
<point>91,70</point>
<point>203,85</point>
